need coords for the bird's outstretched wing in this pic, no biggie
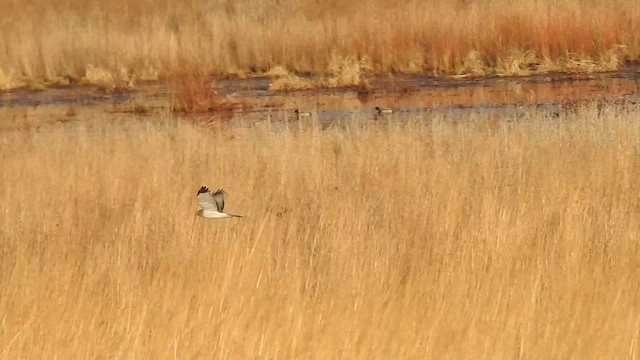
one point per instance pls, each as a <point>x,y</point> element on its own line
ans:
<point>218,197</point>
<point>206,200</point>
<point>209,201</point>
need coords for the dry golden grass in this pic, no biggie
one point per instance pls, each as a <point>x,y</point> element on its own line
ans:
<point>477,239</point>
<point>122,42</point>
<point>342,73</point>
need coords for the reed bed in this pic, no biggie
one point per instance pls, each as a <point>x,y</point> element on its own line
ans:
<point>434,237</point>
<point>118,43</point>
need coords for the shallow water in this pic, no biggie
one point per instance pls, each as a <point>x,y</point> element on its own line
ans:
<point>409,96</point>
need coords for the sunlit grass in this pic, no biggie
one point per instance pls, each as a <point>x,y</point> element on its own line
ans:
<point>427,238</point>
<point>119,43</point>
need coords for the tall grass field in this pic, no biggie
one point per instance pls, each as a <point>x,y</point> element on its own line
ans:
<point>428,238</point>
<point>120,43</point>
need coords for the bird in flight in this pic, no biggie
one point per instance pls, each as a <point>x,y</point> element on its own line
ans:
<point>303,114</point>
<point>384,110</point>
<point>212,205</point>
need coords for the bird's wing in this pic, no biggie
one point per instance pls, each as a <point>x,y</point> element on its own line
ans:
<point>218,197</point>
<point>206,200</point>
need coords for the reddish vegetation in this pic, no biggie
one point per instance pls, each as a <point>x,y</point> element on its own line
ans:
<point>193,93</point>
<point>73,39</point>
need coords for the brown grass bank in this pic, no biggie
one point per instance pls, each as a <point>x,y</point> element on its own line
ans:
<point>118,42</point>
<point>427,239</point>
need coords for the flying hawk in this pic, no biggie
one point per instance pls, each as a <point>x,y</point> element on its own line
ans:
<point>212,205</point>
<point>303,114</point>
<point>382,111</point>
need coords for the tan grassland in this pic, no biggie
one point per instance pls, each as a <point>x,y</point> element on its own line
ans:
<point>427,238</point>
<point>118,43</point>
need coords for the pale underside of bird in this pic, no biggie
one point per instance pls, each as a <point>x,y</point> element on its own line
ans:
<point>212,205</point>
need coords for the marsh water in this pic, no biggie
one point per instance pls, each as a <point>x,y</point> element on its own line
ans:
<point>407,95</point>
